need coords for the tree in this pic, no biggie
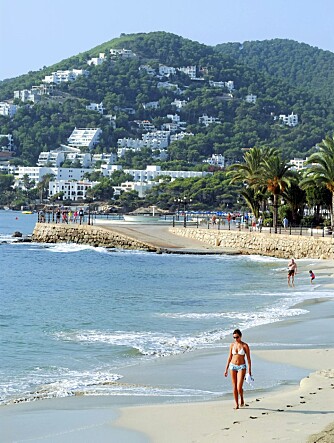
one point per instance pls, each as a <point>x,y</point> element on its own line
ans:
<point>321,170</point>
<point>275,174</point>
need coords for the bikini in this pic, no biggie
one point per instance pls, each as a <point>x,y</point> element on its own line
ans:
<point>234,367</point>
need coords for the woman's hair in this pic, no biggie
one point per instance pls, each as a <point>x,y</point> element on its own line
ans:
<point>237,331</point>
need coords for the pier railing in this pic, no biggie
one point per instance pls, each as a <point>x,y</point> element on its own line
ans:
<point>189,220</point>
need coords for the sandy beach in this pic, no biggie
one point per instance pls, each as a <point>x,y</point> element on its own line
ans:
<point>292,414</point>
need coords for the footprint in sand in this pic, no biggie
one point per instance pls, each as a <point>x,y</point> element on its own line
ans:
<point>289,406</point>
<point>302,402</point>
<point>301,397</point>
<point>225,429</point>
<point>312,393</point>
<point>264,413</point>
<point>236,422</point>
<point>252,417</point>
<point>319,389</point>
<point>280,410</point>
<point>257,399</point>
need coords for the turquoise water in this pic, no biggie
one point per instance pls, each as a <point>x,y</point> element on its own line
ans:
<point>73,316</point>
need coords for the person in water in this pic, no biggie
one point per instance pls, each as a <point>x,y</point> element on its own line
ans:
<point>292,271</point>
<point>312,276</point>
<point>236,362</point>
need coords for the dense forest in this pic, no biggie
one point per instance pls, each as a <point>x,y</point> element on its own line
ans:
<point>286,77</point>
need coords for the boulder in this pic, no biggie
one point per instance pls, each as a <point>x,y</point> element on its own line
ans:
<point>17,234</point>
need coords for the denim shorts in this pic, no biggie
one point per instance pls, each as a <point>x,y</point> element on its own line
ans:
<point>237,367</point>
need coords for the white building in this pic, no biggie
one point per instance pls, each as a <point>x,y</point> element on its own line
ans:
<point>8,109</point>
<point>179,103</point>
<point>298,163</point>
<point>250,98</point>
<point>149,70</point>
<point>84,137</point>
<point>135,143</point>
<point>229,84</point>
<point>36,173</point>
<point>157,139</point>
<point>72,190</point>
<point>140,187</point>
<point>145,125</point>
<point>95,61</point>
<point>180,136</point>
<point>166,71</point>
<point>51,159</point>
<point>216,160</point>
<point>64,76</point>
<point>107,159</point>
<point>151,105</point>
<point>123,53</point>
<point>26,95</point>
<point>189,70</point>
<point>152,172</point>
<point>289,120</point>
<point>10,144</point>
<point>206,120</point>
<point>97,107</point>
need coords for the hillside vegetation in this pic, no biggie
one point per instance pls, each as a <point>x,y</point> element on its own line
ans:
<point>285,76</point>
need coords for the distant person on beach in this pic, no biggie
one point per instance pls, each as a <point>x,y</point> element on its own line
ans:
<point>285,223</point>
<point>292,271</point>
<point>237,364</point>
<point>81,215</point>
<point>312,276</point>
<point>58,215</point>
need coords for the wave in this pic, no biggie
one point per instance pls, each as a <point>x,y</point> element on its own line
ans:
<point>73,247</point>
<point>42,383</point>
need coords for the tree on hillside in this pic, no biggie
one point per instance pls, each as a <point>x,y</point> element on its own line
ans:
<point>321,169</point>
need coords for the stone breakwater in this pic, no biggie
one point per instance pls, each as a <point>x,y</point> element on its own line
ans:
<point>273,245</point>
<point>88,235</point>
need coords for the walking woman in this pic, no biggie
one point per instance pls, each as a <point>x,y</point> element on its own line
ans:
<point>237,364</point>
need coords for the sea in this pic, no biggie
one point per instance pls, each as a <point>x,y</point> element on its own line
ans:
<point>74,318</point>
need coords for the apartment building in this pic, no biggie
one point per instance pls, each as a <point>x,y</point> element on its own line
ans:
<point>64,76</point>
<point>84,137</point>
<point>72,190</point>
<point>8,109</point>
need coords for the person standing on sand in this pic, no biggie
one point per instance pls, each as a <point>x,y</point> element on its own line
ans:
<point>292,271</point>
<point>237,364</point>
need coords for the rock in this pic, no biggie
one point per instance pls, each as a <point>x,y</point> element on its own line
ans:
<point>17,234</point>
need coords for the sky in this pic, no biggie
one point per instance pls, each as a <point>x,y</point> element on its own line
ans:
<point>37,33</point>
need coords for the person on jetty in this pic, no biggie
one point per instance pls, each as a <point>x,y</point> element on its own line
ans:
<point>312,276</point>
<point>292,271</point>
<point>237,364</point>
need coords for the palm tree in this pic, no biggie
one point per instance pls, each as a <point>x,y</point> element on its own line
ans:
<point>249,174</point>
<point>275,174</point>
<point>321,170</point>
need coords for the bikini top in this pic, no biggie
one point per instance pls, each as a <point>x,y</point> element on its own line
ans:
<point>240,351</point>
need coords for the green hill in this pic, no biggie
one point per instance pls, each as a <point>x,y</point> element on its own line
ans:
<point>268,69</point>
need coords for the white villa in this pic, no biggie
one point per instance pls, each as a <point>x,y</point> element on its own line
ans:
<point>250,98</point>
<point>95,61</point>
<point>179,103</point>
<point>64,76</point>
<point>289,120</point>
<point>229,84</point>
<point>206,120</point>
<point>8,109</point>
<point>298,163</point>
<point>84,137</point>
<point>123,53</point>
<point>97,107</point>
<point>216,160</point>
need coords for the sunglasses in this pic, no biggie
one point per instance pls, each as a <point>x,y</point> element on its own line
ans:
<point>236,336</point>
